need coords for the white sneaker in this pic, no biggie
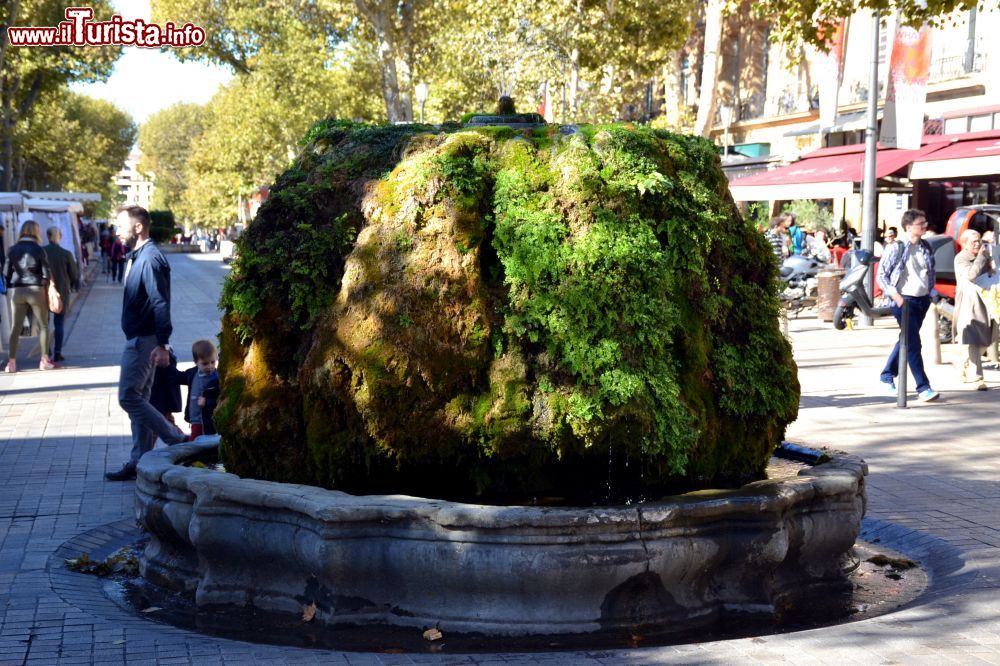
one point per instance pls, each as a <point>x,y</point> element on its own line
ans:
<point>928,395</point>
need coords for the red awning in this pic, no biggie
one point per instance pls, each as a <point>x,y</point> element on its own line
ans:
<point>828,173</point>
<point>965,157</point>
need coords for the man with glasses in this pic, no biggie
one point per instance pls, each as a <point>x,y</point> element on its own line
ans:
<point>906,275</point>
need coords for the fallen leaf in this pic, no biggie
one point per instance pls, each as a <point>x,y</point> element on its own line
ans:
<point>120,641</point>
<point>309,612</point>
<point>151,609</point>
<point>433,635</point>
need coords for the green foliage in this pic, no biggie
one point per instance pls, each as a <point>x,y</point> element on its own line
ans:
<point>812,21</point>
<point>72,142</point>
<point>165,140</point>
<point>759,215</point>
<point>519,303</point>
<point>162,225</point>
<point>810,215</point>
<point>33,76</point>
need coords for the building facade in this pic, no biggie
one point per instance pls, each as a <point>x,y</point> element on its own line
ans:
<point>774,95</point>
<point>134,187</point>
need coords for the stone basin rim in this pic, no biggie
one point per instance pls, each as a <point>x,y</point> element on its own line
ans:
<point>165,466</point>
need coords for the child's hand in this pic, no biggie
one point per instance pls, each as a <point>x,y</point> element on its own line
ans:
<point>202,402</point>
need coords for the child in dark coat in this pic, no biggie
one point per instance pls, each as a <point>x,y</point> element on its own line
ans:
<point>203,389</point>
<point>165,395</point>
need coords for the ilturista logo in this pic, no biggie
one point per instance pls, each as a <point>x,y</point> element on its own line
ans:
<point>79,29</point>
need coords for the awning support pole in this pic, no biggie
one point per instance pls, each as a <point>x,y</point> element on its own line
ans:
<point>868,193</point>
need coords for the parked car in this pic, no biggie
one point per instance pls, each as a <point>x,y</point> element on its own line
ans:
<point>982,218</point>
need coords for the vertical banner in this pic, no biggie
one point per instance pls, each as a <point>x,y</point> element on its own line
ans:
<point>903,117</point>
<point>830,73</point>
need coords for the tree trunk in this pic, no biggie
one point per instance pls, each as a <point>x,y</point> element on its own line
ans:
<point>379,15</point>
<point>707,95</point>
<point>672,90</point>
<point>574,81</point>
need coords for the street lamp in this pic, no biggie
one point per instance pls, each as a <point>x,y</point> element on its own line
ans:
<point>421,90</point>
<point>726,116</point>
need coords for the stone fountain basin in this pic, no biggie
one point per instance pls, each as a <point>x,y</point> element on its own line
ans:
<point>501,570</point>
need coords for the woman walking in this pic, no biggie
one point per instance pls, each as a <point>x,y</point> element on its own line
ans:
<point>971,325</point>
<point>27,274</point>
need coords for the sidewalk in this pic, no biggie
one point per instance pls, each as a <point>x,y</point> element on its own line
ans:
<point>933,494</point>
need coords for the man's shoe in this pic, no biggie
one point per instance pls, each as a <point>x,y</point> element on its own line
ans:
<point>11,366</point>
<point>928,395</point>
<point>890,388</point>
<point>981,386</point>
<point>58,358</point>
<point>179,438</point>
<point>126,473</point>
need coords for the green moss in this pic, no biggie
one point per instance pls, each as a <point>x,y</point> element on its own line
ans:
<point>518,302</point>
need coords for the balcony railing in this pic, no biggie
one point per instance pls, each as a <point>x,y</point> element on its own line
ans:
<point>958,62</point>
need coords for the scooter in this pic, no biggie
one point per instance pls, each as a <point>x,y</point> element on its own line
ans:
<point>799,276</point>
<point>852,292</point>
<point>797,270</point>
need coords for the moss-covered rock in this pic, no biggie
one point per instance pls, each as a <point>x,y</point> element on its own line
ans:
<point>574,312</point>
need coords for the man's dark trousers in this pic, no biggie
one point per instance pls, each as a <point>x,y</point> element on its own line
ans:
<point>916,311</point>
<point>58,319</point>
<point>134,386</point>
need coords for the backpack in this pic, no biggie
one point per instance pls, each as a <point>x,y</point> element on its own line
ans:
<point>117,252</point>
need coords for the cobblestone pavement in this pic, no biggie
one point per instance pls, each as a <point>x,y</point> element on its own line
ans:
<point>933,494</point>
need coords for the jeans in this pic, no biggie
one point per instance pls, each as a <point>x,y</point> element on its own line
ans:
<point>117,270</point>
<point>58,318</point>
<point>916,311</point>
<point>134,386</point>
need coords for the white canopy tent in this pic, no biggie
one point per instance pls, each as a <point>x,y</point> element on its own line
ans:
<point>60,209</point>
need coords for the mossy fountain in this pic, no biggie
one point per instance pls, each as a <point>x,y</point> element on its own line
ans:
<point>466,371</point>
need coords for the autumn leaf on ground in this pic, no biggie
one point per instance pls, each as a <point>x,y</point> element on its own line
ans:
<point>151,609</point>
<point>309,612</point>
<point>433,635</point>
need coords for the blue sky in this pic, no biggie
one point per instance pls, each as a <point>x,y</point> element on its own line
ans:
<point>145,81</point>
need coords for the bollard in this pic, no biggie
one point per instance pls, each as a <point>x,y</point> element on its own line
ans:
<point>904,328</point>
<point>929,332</point>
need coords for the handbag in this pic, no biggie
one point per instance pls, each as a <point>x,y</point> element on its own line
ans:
<point>55,300</point>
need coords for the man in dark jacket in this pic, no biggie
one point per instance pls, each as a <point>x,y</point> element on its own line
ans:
<point>64,272</point>
<point>147,328</point>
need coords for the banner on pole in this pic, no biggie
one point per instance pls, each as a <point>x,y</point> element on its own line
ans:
<point>909,67</point>
<point>830,71</point>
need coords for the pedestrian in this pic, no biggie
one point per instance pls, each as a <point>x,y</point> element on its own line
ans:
<point>203,391</point>
<point>794,232</point>
<point>107,238</point>
<point>118,253</point>
<point>776,237</point>
<point>26,274</point>
<point>971,325</point>
<point>906,275</point>
<point>64,272</point>
<point>816,244</point>
<point>147,328</point>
